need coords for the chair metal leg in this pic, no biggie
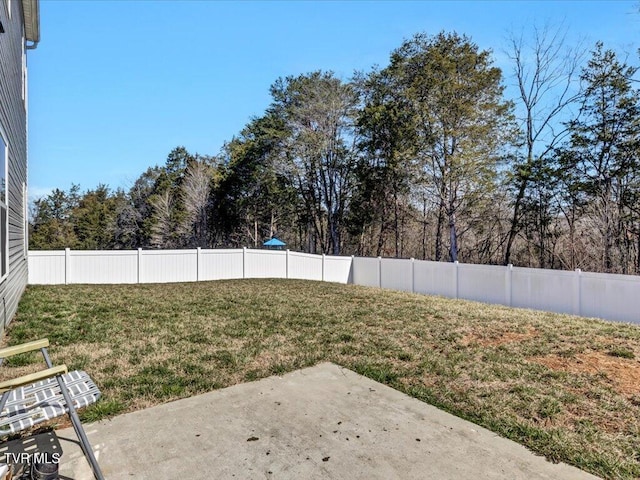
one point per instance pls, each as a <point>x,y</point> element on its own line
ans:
<point>75,420</point>
<point>77,426</point>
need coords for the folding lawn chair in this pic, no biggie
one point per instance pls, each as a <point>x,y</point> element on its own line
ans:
<point>32,399</point>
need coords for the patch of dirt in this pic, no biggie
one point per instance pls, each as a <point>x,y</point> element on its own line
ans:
<point>496,341</point>
<point>623,373</point>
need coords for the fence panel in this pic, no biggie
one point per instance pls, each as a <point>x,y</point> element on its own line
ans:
<point>551,290</point>
<point>305,266</point>
<point>483,283</point>
<point>337,269</point>
<point>46,267</point>
<point>220,264</point>
<point>265,264</point>
<point>366,271</point>
<point>165,266</point>
<point>396,274</point>
<point>435,278</point>
<point>96,266</point>
<point>616,297</point>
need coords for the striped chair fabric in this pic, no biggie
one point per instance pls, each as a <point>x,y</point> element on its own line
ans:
<point>36,403</point>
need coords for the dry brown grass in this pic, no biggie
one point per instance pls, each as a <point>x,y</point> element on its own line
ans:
<point>566,387</point>
<point>622,373</point>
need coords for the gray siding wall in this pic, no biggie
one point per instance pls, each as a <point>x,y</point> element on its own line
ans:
<point>13,119</point>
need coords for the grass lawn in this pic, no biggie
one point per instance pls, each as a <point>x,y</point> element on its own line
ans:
<point>566,387</point>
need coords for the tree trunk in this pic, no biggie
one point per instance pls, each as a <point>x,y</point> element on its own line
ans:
<point>513,230</point>
<point>638,252</point>
<point>335,236</point>
<point>424,227</point>
<point>395,222</point>
<point>255,231</point>
<point>439,227</point>
<point>453,237</point>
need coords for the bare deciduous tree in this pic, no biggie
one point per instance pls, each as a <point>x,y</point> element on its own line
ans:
<point>196,190</point>
<point>546,72</point>
<point>161,231</point>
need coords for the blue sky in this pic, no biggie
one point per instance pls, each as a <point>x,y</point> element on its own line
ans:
<point>115,85</point>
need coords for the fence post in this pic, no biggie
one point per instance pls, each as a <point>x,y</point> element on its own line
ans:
<point>67,268</point>
<point>244,262</point>
<point>139,264</point>
<point>456,274</point>
<point>577,308</point>
<point>413,275</point>
<point>323,260</point>
<point>508,285</point>
<point>198,266</point>
<point>287,265</point>
<point>380,272</point>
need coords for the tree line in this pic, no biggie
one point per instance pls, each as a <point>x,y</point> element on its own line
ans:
<point>425,157</point>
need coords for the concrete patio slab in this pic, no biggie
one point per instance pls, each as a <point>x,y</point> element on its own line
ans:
<point>324,422</point>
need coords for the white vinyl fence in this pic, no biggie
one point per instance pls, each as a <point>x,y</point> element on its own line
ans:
<point>165,266</point>
<point>608,296</point>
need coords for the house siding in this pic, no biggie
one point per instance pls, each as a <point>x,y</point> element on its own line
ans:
<point>13,120</point>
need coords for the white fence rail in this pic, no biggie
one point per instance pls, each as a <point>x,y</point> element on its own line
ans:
<point>608,296</point>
